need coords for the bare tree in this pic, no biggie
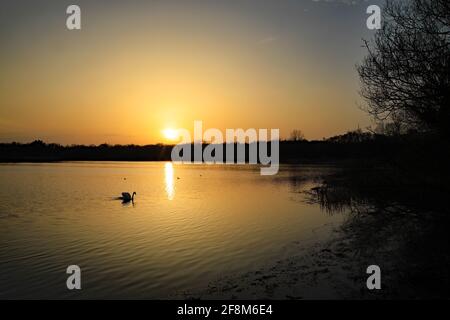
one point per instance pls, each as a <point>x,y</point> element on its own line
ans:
<point>391,128</point>
<point>405,77</point>
<point>297,135</point>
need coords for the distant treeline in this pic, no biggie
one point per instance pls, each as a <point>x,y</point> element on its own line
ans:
<point>353,145</point>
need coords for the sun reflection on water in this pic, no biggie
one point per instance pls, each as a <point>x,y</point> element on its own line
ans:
<point>168,173</point>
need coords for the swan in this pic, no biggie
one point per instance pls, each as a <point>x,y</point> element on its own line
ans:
<point>126,197</point>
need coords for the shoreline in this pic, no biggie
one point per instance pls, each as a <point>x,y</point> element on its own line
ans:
<point>306,275</point>
<point>335,268</point>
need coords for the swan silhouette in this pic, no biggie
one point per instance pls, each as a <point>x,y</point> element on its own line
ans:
<point>126,197</point>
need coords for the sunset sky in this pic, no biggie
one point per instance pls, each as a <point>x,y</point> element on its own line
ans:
<point>139,67</point>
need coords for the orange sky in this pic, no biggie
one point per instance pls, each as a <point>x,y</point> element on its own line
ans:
<point>132,72</point>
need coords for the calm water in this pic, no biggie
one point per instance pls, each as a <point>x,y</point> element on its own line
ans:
<point>190,224</point>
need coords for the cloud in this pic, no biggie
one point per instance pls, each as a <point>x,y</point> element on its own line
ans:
<point>267,40</point>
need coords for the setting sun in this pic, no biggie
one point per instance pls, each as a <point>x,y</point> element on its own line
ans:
<point>171,134</point>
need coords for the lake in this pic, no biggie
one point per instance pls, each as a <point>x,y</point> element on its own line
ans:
<point>188,225</point>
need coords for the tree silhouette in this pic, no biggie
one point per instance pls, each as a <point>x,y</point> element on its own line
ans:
<point>405,77</point>
<point>296,135</point>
